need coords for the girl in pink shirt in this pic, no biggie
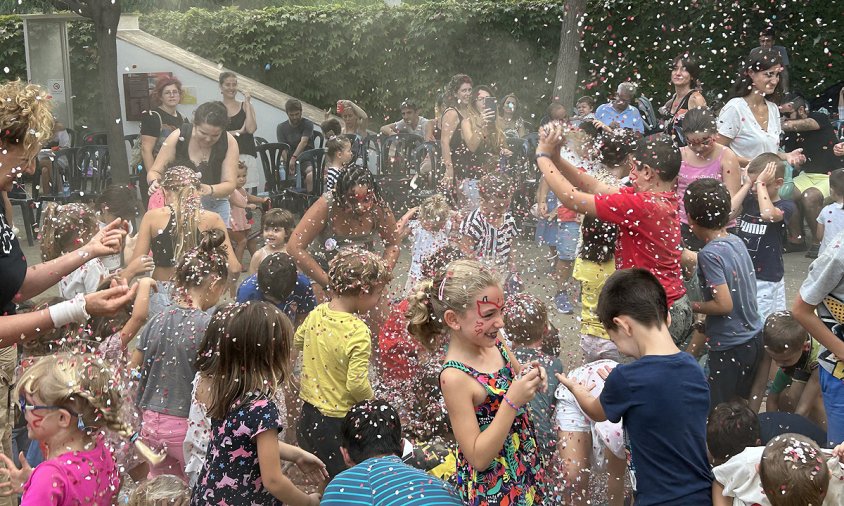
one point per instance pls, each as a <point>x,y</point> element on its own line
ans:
<point>68,400</point>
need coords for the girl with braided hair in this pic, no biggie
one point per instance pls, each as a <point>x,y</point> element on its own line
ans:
<point>69,400</point>
<point>171,231</point>
<point>166,351</point>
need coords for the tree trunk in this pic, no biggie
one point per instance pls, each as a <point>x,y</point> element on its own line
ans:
<point>568,58</point>
<point>106,16</point>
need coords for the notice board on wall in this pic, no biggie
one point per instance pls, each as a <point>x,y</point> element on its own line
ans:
<point>136,92</point>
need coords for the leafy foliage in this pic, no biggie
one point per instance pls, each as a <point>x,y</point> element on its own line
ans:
<point>378,55</point>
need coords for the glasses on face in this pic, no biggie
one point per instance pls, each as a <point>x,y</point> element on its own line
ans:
<point>25,406</point>
<point>172,93</point>
<point>704,141</point>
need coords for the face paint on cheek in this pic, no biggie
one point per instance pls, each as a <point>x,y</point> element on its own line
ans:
<point>479,328</point>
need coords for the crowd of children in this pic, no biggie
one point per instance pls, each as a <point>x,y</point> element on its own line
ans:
<point>449,390</point>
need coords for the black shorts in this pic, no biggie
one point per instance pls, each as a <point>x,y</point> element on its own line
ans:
<point>320,435</point>
<point>732,371</point>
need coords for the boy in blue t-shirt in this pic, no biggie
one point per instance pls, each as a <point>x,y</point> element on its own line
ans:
<point>662,398</point>
<point>762,226</point>
<point>278,283</point>
<point>726,275</point>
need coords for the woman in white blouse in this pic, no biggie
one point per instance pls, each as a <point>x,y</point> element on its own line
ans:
<point>749,123</point>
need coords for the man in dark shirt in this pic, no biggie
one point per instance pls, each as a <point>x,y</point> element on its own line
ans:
<point>297,132</point>
<point>813,132</point>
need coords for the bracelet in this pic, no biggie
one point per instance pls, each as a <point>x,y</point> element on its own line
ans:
<point>540,154</point>
<point>69,311</point>
<point>508,401</point>
<point>211,187</point>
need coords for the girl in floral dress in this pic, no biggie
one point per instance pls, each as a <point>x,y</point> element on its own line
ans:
<point>486,389</point>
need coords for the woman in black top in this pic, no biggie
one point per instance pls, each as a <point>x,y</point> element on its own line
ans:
<point>685,73</point>
<point>206,145</point>
<point>242,125</point>
<point>25,120</point>
<point>458,94</point>
<point>159,122</point>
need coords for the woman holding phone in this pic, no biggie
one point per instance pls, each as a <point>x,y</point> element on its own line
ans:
<point>485,142</point>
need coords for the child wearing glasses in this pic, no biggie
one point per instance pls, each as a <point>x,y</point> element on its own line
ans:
<point>703,157</point>
<point>69,400</point>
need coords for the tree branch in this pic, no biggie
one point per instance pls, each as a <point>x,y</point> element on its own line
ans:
<point>80,7</point>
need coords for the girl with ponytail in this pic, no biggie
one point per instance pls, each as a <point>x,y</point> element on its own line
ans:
<point>486,389</point>
<point>167,233</point>
<point>69,400</point>
<point>167,349</point>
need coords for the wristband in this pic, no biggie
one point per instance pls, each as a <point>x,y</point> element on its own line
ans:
<point>211,188</point>
<point>540,154</point>
<point>508,401</point>
<point>69,311</point>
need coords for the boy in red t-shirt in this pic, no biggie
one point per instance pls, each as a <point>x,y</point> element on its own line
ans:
<point>647,213</point>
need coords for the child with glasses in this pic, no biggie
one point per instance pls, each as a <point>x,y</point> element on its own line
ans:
<point>703,157</point>
<point>69,401</point>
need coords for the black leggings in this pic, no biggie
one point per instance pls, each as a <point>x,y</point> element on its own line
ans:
<point>320,435</point>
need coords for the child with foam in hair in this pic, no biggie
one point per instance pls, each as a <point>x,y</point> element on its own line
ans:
<point>486,389</point>
<point>336,346</point>
<point>67,228</point>
<point>167,347</point>
<point>68,401</point>
<point>244,360</point>
<point>430,226</point>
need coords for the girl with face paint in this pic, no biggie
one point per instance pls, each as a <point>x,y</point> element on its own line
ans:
<point>485,387</point>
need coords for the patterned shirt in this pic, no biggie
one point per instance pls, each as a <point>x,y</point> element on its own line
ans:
<point>491,245</point>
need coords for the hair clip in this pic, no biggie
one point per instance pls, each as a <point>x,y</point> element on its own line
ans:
<point>448,275</point>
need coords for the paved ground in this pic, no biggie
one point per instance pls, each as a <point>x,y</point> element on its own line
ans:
<point>534,267</point>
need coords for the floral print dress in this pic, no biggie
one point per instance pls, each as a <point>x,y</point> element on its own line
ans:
<point>231,475</point>
<point>514,475</point>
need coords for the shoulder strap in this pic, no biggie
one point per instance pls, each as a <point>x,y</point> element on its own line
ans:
<point>453,364</point>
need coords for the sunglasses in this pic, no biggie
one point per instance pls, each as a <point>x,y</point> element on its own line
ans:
<point>25,406</point>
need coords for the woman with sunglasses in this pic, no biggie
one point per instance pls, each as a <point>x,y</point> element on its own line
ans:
<point>704,158</point>
<point>353,214</point>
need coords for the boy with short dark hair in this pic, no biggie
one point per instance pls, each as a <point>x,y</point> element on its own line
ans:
<point>646,212</point>
<point>796,387</point>
<point>372,446</point>
<point>662,398</point>
<point>762,226</point>
<point>726,276</point>
<point>277,225</point>
<point>732,427</point>
<point>278,283</point>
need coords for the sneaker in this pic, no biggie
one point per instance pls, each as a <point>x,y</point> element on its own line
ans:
<point>563,304</point>
<point>813,251</point>
<point>794,246</point>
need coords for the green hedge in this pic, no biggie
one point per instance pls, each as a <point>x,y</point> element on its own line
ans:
<point>378,55</point>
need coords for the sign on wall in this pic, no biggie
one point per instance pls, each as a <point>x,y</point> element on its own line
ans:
<point>136,92</point>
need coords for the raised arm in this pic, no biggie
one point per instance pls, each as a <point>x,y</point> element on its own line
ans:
<point>767,210</point>
<point>250,125</point>
<point>309,227</point>
<point>450,124</point>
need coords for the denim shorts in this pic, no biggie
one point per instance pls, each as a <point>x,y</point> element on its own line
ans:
<point>568,233</point>
<point>219,206</point>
